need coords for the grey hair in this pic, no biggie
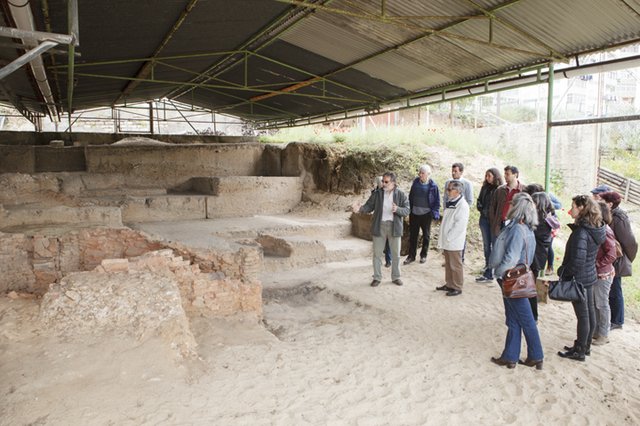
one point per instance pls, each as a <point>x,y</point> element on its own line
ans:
<point>456,184</point>
<point>523,210</point>
<point>425,168</point>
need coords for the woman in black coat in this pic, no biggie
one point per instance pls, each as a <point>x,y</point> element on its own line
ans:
<point>588,232</point>
<point>543,239</point>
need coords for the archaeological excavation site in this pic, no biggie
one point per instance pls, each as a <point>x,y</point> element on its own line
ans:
<point>139,237</point>
<point>174,252</point>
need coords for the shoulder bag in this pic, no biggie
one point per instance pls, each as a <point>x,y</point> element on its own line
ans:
<point>519,282</point>
<point>566,291</point>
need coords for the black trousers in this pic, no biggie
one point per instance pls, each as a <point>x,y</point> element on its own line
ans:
<point>586,315</point>
<point>417,223</point>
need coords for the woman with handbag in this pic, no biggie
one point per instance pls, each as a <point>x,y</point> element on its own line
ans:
<point>579,263</point>
<point>516,245</point>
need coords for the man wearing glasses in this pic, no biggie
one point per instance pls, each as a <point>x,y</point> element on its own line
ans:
<point>453,232</point>
<point>389,206</point>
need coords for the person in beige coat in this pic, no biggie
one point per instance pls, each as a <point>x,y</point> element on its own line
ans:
<point>453,232</point>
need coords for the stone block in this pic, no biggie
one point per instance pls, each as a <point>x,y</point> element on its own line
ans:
<point>164,208</point>
<point>59,159</point>
<point>35,216</point>
<point>17,159</point>
<point>139,304</point>
<point>18,188</point>
<point>115,265</point>
<point>168,166</point>
<point>253,195</point>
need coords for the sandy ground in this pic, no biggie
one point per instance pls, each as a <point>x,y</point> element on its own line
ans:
<point>331,350</point>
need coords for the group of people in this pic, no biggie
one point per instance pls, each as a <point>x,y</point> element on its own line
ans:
<point>518,224</point>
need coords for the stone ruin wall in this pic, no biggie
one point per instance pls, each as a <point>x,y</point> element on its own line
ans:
<point>227,281</point>
<point>211,283</point>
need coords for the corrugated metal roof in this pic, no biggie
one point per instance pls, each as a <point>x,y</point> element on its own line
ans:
<point>290,61</point>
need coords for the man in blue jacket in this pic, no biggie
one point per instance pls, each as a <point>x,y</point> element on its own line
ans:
<point>424,201</point>
<point>389,206</point>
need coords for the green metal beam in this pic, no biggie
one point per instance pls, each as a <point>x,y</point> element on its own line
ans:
<point>382,17</point>
<point>491,12</point>
<point>256,42</point>
<point>215,86</point>
<point>547,161</point>
<point>405,103</point>
<point>73,26</point>
<point>486,14</point>
<point>146,68</point>
<point>145,59</point>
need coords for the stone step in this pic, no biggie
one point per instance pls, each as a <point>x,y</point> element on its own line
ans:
<point>347,248</point>
<point>26,216</point>
<point>122,192</point>
<point>163,208</point>
<point>285,253</point>
<point>233,196</point>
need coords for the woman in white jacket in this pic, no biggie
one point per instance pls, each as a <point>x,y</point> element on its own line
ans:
<point>453,232</point>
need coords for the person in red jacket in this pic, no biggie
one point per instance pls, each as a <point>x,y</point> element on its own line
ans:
<point>604,266</point>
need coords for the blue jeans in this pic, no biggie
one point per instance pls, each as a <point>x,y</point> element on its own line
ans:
<point>616,301</point>
<point>519,319</point>
<point>487,244</point>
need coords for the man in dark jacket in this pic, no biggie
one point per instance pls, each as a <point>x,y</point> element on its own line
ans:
<point>624,235</point>
<point>389,206</point>
<point>424,201</point>
<point>502,197</point>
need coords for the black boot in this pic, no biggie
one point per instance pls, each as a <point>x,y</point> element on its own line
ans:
<point>576,353</point>
<point>571,348</point>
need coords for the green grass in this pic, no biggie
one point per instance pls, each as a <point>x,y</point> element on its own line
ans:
<point>623,162</point>
<point>409,141</point>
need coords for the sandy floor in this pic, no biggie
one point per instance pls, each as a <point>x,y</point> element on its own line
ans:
<point>332,351</point>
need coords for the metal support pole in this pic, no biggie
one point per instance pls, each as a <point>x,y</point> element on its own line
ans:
<point>27,57</point>
<point>72,17</point>
<point>547,159</point>
<point>38,35</point>
<point>151,117</point>
<point>184,118</point>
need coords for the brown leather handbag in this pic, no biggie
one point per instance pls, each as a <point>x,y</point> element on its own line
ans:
<point>519,282</point>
